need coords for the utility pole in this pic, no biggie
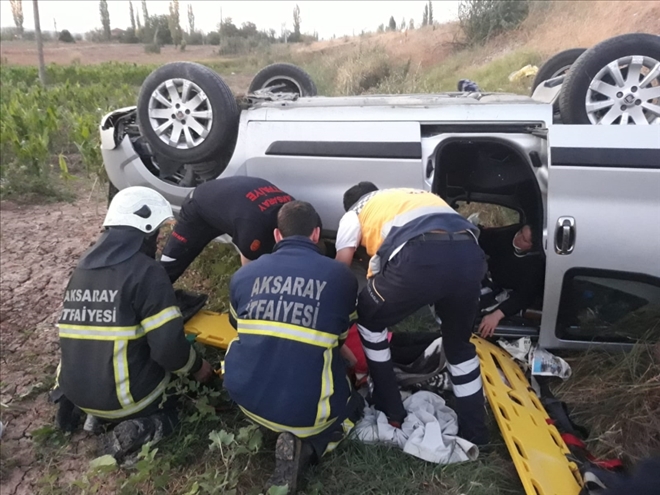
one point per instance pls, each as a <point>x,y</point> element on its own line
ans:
<point>57,37</point>
<point>40,43</point>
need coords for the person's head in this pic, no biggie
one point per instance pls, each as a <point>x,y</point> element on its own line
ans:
<point>298,218</point>
<point>140,208</point>
<point>522,241</point>
<point>352,195</point>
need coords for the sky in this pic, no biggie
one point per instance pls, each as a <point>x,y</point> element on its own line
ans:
<point>328,18</point>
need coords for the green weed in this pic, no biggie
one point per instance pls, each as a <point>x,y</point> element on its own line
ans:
<point>490,75</point>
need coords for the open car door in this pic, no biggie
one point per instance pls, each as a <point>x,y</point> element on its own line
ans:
<point>602,283</point>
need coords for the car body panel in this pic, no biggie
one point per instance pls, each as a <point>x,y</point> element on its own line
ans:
<point>616,209</point>
<point>322,180</point>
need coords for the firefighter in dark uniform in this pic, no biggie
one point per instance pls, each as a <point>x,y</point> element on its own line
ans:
<point>292,311</point>
<point>121,332</point>
<point>245,208</point>
<point>422,253</point>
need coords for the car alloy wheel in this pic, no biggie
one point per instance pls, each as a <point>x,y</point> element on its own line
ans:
<point>625,91</point>
<point>180,113</point>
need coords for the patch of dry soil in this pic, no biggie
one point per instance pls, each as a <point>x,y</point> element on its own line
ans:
<point>39,247</point>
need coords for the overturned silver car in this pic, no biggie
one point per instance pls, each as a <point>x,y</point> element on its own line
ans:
<point>591,192</point>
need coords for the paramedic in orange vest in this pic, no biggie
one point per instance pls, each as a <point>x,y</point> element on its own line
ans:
<point>422,253</point>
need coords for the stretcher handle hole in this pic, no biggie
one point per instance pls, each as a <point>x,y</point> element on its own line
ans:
<point>536,402</point>
<point>553,434</point>
<point>505,378</point>
<point>537,488</point>
<point>503,412</point>
<point>516,399</point>
<point>520,450</point>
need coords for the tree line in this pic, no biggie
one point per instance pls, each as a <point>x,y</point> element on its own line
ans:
<point>427,20</point>
<point>166,29</point>
<point>479,20</point>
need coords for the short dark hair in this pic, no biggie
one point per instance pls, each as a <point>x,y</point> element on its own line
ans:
<point>297,218</point>
<point>356,192</point>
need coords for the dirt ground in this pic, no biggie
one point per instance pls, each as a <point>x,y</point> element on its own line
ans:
<point>25,53</point>
<point>39,247</point>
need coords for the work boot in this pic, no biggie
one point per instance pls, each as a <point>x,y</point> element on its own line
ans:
<point>129,436</point>
<point>68,415</point>
<point>291,457</point>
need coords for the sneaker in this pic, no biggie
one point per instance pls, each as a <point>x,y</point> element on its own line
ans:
<point>129,436</point>
<point>437,383</point>
<point>291,456</point>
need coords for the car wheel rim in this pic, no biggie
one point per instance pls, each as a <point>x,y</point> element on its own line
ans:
<point>283,84</point>
<point>625,91</point>
<point>180,113</point>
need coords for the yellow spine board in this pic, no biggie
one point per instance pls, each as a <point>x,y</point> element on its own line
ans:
<point>537,449</point>
<point>211,328</point>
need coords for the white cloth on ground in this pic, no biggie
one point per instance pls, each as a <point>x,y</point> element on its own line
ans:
<point>430,430</point>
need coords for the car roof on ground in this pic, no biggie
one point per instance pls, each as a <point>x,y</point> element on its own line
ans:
<point>415,100</point>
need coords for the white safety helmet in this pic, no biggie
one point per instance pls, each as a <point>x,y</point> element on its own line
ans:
<point>138,207</point>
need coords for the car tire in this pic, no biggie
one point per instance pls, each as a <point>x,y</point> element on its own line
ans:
<point>557,65</point>
<point>606,83</point>
<point>204,120</point>
<point>284,78</point>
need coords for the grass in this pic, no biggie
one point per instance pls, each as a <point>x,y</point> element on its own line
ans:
<point>617,396</point>
<point>490,75</point>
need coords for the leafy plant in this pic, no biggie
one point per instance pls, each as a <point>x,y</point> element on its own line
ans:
<point>65,36</point>
<point>482,19</point>
<point>39,126</point>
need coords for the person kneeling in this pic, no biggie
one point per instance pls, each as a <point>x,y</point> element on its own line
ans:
<point>121,332</point>
<point>292,310</point>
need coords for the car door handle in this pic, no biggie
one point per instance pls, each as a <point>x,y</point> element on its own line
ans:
<point>565,235</point>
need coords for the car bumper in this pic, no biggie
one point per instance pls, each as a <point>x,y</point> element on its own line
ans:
<point>125,168</point>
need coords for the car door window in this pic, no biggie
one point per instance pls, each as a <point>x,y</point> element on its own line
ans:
<point>608,306</point>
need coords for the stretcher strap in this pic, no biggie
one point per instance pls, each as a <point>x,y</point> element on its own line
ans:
<point>579,450</point>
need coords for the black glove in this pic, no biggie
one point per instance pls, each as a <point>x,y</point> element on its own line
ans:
<point>189,303</point>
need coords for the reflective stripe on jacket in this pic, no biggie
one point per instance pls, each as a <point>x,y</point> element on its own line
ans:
<point>291,309</point>
<point>391,217</point>
<point>121,334</point>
